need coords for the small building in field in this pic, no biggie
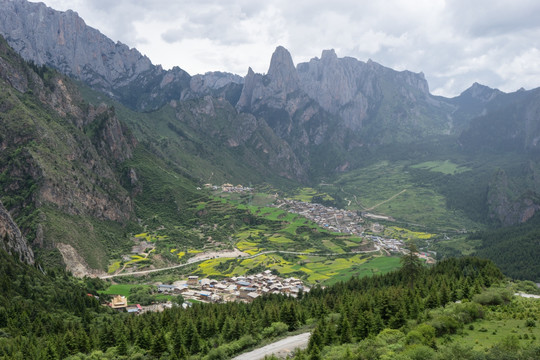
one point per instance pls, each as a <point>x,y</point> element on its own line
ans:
<point>119,302</point>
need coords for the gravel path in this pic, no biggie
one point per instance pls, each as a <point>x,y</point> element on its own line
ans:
<point>280,348</point>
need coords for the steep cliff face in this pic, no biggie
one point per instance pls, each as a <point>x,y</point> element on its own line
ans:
<point>509,202</point>
<point>219,85</point>
<point>242,136</point>
<point>373,100</point>
<point>506,122</point>
<point>11,238</point>
<point>57,155</point>
<point>63,40</point>
<point>341,86</point>
<point>278,98</point>
<point>272,89</point>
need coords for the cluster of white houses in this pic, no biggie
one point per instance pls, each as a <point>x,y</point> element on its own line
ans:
<point>241,288</point>
<point>229,188</point>
<point>336,220</point>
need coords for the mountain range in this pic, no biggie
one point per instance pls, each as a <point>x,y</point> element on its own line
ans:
<point>85,143</point>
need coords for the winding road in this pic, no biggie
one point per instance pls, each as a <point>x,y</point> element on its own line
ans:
<point>280,348</point>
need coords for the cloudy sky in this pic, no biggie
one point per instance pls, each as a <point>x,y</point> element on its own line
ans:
<point>454,43</point>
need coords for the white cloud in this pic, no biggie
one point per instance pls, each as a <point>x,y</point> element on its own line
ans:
<point>454,42</point>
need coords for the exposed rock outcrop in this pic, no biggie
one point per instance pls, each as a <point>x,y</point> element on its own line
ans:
<point>63,40</point>
<point>11,238</point>
<point>508,203</point>
<point>353,89</point>
<point>270,90</point>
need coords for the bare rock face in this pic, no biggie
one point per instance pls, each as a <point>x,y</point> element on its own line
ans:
<point>11,238</point>
<point>62,40</point>
<point>213,80</point>
<point>272,89</point>
<point>47,36</point>
<point>508,203</point>
<point>351,88</point>
<point>282,73</point>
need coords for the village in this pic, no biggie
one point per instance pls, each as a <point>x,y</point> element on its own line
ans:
<point>333,219</point>
<point>205,290</point>
<point>250,287</point>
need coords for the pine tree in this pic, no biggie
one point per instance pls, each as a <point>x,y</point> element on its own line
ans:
<point>361,331</point>
<point>316,337</point>
<point>50,352</point>
<point>411,265</point>
<point>399,319</point>
<point>315,353</point>
<point>70,343</point>
<point>122,345</point>
<point>159,345</point>
<point>345,330</point>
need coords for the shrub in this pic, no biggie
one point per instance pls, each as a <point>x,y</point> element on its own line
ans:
<point>420,352</point>
<point>493,297</point>
<point>445,324</point>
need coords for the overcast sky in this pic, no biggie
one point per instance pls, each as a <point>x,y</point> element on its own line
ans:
<point>454,43</point>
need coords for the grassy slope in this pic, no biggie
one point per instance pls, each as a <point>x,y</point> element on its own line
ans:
<point>199,153</point>
<point>371,187</point>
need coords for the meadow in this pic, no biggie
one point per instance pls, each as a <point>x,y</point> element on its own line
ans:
<point>389,188</point>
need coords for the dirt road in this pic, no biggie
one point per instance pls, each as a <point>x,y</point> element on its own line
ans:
<point>280,348</point>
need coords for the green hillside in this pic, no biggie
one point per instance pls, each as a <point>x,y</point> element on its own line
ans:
<point>55,316</point>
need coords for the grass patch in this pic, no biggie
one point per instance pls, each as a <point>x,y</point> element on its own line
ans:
<point>446,167</point>
<point>114,267</point>
<point>388,188</point>
<point>333,247</point>
<point>368,267</point>
<point>120,289</point>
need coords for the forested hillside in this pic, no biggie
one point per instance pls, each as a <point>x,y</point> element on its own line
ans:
<point>52,316</point>
<point>514,249</point>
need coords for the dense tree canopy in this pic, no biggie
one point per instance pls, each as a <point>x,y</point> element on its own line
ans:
<point>52,316</point>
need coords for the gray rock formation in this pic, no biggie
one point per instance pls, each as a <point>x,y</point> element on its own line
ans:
<point>279,99</point>
<point>508,202</point>
<point>63,40</point>
<point>353,89</point>
<point>11,238</point>
<point>213,80</point>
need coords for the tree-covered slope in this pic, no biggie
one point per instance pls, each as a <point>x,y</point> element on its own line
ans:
<point>515,249</point>
<point>51,317</point>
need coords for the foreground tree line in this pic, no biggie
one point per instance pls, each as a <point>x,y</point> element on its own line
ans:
<point>53,317</point>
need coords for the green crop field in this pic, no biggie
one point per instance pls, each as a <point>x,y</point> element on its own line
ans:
<point>373,266</point>
<point>312,269</point>
<point>120,289</point>
<point>445,167</point>
<point>388,188</point>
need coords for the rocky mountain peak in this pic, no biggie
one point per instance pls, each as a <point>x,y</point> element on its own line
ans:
<point>62,40</point>
<point>282,72</point>
<point>328,55</point>
<point>480,92</point>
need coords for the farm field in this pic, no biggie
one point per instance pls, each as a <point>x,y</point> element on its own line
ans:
<point>231,221</point>
<point>388,188</point>
<point>120,289</point>
<point>445,167</point>
<point>312,269</point>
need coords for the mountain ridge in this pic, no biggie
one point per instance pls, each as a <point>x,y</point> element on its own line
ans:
<point>294,125</point>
